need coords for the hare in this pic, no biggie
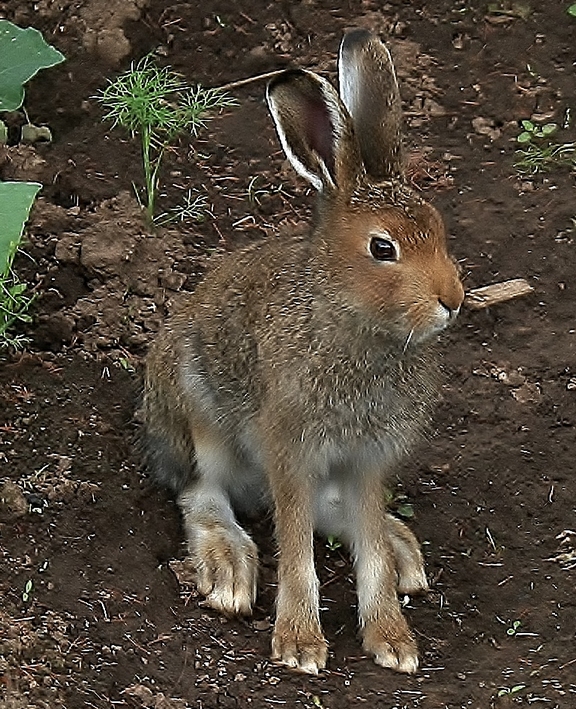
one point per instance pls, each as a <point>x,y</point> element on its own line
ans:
<point>303,369</point>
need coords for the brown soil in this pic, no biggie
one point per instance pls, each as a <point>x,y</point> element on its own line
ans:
<point>106,622</point>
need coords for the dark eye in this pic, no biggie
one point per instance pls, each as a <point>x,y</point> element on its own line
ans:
<point>383,249</point>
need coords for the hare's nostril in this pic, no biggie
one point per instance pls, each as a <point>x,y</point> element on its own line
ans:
<point>450,312</point>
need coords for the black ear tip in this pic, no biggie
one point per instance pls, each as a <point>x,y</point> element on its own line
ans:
<point>286,77</point>
<point>357,38</point>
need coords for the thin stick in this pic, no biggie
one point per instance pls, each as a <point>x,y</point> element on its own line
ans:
<point>249,80</point>
<point>484,297</point>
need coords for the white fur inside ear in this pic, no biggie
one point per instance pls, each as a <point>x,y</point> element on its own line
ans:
<point>296,163</point>
<point>334,108</point>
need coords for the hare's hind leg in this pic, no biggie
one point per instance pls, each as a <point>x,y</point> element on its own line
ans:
<point>408,557</point>
<point>379,564</point>
<point>223,554</point>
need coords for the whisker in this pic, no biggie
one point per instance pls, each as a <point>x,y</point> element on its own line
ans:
<point>408,340</point>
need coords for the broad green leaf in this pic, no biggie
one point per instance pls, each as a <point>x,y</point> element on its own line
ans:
<point>527,125</point>
<point>572,10</point>
<point>23,52</point>
<point>524,137</point>
<point>16,199</point>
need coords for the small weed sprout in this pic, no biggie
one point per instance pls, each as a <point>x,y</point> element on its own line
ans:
<point>194,207</point>
<point>27,591</point>
<point>513,629</point>
<point>155,104</point>
<point>511,690</point>
<point>538,154</point>
<point>532,131</point>
<point>333,543</point>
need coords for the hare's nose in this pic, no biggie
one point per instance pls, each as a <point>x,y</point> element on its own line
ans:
<point>451,297</point>
<point>451,312</point>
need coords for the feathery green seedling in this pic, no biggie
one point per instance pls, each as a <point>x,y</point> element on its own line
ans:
<point>194,207</point>
<point>155,104</point>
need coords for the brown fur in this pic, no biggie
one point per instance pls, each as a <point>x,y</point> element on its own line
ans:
<point>303,369</point>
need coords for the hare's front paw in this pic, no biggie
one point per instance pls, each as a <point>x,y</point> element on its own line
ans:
<point>391,644</point>
<point>226,562</point>
<point>299,646</point>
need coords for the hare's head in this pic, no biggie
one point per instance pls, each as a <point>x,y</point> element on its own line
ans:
<point>384,248</point>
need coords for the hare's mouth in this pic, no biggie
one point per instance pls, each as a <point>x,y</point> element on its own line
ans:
<point>433,322</point>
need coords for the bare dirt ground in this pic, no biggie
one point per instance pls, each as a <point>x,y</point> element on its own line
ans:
<point>91,612</point>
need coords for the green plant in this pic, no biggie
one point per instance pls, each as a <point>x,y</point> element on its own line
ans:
<point>155,104</point>
<point>511,690</point>
<point>538,153</point>
<point>16,199</point>
<point>27,591</point>
<point>514,627</point>
<point>532,132</point>
<point>193,207</point>
<point>333,543</point>
<point>23,52</point>
<point>571,10</point>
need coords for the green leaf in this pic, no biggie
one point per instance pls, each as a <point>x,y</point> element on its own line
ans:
<point>549,128</point>
<point>527,125</point>
<point>572,10</point>
<point>524,137</point>
<point>16,199</point>
<point>406,510</point>
<point>22,54</point>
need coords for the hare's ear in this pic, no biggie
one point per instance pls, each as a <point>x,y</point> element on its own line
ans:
<point>315,130</point>
<point>369,90</point>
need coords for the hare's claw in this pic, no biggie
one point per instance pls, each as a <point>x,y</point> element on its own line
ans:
<point>391,645</point>
<point>300,648</point>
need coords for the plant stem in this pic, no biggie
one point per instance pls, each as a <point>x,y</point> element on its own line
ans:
<point>149,172</point>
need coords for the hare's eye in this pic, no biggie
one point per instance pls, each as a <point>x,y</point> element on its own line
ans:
<point>383,249</point>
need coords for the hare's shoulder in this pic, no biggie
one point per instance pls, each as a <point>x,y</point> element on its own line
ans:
<point>256,271</point>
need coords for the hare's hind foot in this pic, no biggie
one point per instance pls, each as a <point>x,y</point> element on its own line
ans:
<point>386,635</point>
<point>408,558</point>
<point>223,554</point>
